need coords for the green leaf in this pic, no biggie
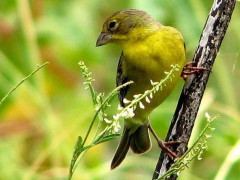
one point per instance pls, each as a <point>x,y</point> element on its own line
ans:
<point>77,151</point>
<point>78,144</point>
<point>107,138</point>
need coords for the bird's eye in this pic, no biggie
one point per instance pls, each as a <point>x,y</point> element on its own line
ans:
<point>112,25</point>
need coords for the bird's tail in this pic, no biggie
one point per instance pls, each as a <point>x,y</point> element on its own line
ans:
<point>138,141</point>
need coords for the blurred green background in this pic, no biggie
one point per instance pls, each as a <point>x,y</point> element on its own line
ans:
<point>41,120</point>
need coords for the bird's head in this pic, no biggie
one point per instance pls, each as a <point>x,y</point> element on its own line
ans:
<point>125,25</point>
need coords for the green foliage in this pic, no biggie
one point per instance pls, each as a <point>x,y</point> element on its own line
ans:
<point>109,132</point>
<point>112,126</point>
<point>39,122</point>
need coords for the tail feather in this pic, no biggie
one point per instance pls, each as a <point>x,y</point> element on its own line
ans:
<point>140,141</point>
<point>122,149</point>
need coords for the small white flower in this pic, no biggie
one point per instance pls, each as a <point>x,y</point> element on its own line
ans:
<point>119,107</point>
<point>136,96</point>
<point>131,115</point>
<point>130,112</point>
<point>107,120</point>
<point>157,88</point>
<point>153,83</point>
<point>199,156</point>
<point>151,95</point>
<point>124,114</point>
<point>141,105</point>
<point>125,101</point>
<point>208,136</point>
<point>116,127</point>
<point>96,108</point>
<point>147,99</point>
<point>146,92</point>
<point>207,115</point>
<point>116,117</point>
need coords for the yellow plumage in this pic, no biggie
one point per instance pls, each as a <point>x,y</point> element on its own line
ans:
<point>149,59</point>
<point>149,49</point>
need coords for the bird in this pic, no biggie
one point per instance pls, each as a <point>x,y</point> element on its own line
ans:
<point>149,48</point>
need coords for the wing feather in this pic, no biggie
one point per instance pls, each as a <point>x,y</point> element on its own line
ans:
<point>121,79</point>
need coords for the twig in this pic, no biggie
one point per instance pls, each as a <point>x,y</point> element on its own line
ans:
<point>24,79</point>
<point>190,99</point>
<point>102,105</point>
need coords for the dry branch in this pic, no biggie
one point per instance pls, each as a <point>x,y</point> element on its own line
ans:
<point>193,90</point>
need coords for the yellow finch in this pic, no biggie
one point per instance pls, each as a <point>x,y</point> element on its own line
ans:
<point>149,48</point>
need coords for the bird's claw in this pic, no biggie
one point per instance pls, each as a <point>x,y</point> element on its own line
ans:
<point>172,142</point>
<point>163,145</point>
<point>190,69</point>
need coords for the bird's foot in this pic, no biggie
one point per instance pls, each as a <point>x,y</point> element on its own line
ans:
<point>163,145</point>
<point>172,142</point>
<point>190,69</point>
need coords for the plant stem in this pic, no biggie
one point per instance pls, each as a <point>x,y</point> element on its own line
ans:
<point>114,92</point>
<point>24,79</point>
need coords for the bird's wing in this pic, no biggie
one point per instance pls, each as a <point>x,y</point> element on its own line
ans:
<point>121,79</point>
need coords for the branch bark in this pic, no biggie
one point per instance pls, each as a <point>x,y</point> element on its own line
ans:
<point>193,90</point>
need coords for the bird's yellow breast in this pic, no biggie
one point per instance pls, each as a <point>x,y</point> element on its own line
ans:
<point>149,58</point>
<point>157,51</point>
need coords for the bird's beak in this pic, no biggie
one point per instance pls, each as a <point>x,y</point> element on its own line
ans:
<point>103,39</point>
